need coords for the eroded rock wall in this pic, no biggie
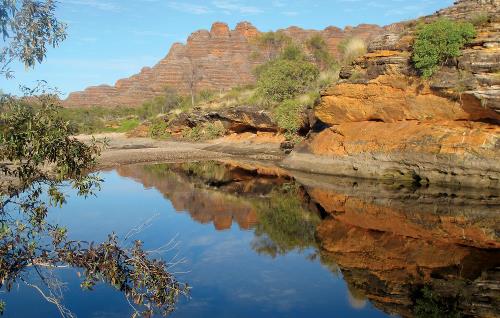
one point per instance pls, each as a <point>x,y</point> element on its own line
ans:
<point>385,121</point>
<point>226,58</point>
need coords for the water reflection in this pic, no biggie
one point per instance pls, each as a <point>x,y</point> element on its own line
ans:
<point>413,252</point>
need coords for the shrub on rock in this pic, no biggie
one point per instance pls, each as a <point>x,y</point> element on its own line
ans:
<point>284,79</point>
<point>438,42</point>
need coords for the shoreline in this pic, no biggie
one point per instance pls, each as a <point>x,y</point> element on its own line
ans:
<point>122,150</point>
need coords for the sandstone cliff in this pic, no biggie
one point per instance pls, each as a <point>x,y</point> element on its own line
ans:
<point>225,57</point>
<point>387,122</point>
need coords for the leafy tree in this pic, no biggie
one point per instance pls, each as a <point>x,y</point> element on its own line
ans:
<point>28,27</point>
<point>284,78</point>
<point>273,43</point>
<point>38,158</point>
<point>438,42</point>
<point>319,50</point>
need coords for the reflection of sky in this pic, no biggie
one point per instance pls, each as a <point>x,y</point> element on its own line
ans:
<point>229,279</point>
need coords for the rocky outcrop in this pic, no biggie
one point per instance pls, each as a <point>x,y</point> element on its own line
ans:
<point>392,98</point>
<point>387,122</point>
<point>235,120</point>
<point>455,152</point>
<point>225,58</point>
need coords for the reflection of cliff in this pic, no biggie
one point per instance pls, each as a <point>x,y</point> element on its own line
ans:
<point>389,244</point>
<point>454,216</point>
<point>411,251</point>
<point>208,192</point>
<point>389,268</point>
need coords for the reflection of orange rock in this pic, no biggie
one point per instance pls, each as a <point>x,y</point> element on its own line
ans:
<point>417,221</point>
<point>223,222</point>
<point>203,204</point>
<point>388,267</point>
<point>389,256</point>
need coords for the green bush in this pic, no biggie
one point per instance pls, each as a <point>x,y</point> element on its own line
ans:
<point>293,52</point>
<point>320,52</point>
<point>288,116</point>
<point>439,41</point>
<point>214,130</point>
<point>206,131</point>
<point>272,43</point>
<point>158,129</point>
<point>123,126</point>
<point>480,19</point>
<point>284,79</point>
<point>192,134</point>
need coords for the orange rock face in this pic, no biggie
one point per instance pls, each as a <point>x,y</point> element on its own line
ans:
<point>386,121</point>
<point>391,98</point>
<point>443,138</point>
<point>465,153</point>
<point>225,57</point>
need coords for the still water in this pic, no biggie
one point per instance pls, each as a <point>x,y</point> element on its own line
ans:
<point>256,241</point>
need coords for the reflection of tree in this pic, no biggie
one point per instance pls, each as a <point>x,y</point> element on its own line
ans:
<point>431,304</point>
<point>284,224</point>
<point>211,172</point>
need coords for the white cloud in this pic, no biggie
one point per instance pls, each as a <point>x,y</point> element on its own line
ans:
<point>189,8</point>
<point>235,6</point>
<point>96,4</point>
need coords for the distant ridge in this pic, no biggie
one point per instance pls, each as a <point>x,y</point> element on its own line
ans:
<point>224,55</point>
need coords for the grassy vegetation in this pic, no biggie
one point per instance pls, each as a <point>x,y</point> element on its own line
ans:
<point>351,49</point>
<point>97,119</point>
<point>480,19</point>
<point>438,42</point>
<point>206,131</point>
<point>158,129</point>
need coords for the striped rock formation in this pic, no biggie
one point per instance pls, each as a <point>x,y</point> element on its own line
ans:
<point>226,58</point>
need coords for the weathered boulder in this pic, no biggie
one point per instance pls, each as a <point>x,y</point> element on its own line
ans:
<point>244,118</point>
<point>464,153</point>
<point>235,120</point>
<point>394,98</point>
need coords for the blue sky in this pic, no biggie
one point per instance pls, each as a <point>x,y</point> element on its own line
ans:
<point>111,39</point>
